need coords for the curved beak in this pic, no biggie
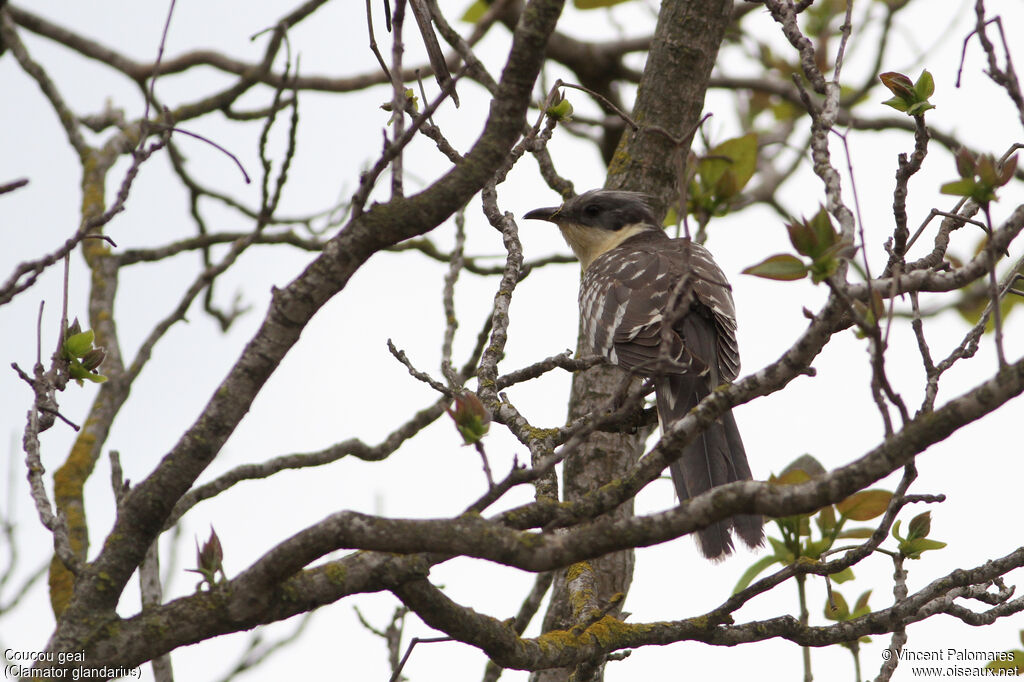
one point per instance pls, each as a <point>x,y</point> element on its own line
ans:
<point>547,214</point>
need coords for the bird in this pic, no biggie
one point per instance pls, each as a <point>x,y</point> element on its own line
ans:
<point>661,307</point>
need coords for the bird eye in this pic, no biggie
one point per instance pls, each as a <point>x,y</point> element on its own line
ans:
<point>591,210</point>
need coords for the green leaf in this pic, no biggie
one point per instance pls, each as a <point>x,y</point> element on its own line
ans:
<point>918,108</point>
<point>78,372</point>
<point>671,217</point>
<point>474,12</point>
<point>842,576</point>
<point>965,163</point>
<point>919,526</point>
<point>727,167</point>
<point>836,609</point>
<point>727,186</point>
<point>963,187</point>
<point>562,111</point>
<point>782,266</point>
<point>801,236</point>
<point>471,417</point>
<point>925,86</point>
<point>700,200</point>
<point>791,477</point>
<point>815,548</point>
<point>911,98</point>
<point>987,170</point>
<point>824,233</point>
<point>806,464</point>
<point>79,344</point>
<point>865,505</point>
<point>823,268</point>
<point>752,572</point>
<point>826,263</point>
<point>912,548</point>
<point>896,103</point>
<point>743,154</point>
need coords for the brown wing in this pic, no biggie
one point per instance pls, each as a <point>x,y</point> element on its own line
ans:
<point>630,293</point>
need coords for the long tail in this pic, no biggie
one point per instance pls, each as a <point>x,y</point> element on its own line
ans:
<point>714,458</point>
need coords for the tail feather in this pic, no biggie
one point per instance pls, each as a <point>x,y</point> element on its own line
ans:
<point>750,527</point>
<point>714,458</point>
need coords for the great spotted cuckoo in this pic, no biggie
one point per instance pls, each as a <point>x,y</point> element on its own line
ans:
<point>661,307</point>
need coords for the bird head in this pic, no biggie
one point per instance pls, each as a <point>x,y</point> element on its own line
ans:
<point>599,220</point>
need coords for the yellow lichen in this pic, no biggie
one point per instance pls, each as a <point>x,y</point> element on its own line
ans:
<point>336,573</point>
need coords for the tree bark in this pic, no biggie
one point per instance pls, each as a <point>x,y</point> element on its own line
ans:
<point>668,106</point>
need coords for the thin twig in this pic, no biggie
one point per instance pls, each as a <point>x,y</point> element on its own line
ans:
<point>13,185</point>
<point>257,651</point>
<point>448,297</point>
<point>373,40</point>
<point>437,61</point>
<point>422,376</point>
<point>156,72</point>
<point>396,675</point>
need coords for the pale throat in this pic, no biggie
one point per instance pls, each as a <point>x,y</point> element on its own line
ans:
<point>588,243</point>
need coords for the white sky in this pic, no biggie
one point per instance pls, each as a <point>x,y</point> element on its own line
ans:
<point>340,382</point>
